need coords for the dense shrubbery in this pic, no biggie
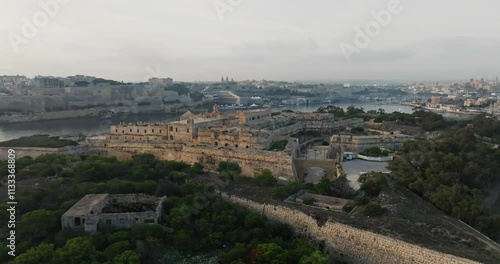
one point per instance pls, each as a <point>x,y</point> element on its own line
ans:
<point>282,192</point>
<point>229,170</point>
<point>348,206</point>
<point>339,112</point>
<point>487,127</point>
<point>265,178</point>
<point>38,141</point>
<point>279,145</point>
<point>196,220</point>
<point>451,172</point>
<point>375,152</point>
<point>338,187</point>
<point>373,209</point>
<point>372,183</point>
<point>429,121</point>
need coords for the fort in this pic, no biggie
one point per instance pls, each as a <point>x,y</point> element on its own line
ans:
<point>244,137</point>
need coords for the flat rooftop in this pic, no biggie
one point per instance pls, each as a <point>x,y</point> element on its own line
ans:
<point>86,204</point>
<point>196,121</point>
<point>130,207</point>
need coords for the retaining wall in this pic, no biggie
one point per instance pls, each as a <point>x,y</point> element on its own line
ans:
<point>362,246</point>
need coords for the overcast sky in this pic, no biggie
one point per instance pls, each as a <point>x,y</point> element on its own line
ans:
<point>257,39</point>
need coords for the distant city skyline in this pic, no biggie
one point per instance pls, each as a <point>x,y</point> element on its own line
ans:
<point>280,40</point>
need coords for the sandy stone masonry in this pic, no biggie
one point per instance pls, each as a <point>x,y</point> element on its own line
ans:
<point>361,246</point>
<point>251,161</point>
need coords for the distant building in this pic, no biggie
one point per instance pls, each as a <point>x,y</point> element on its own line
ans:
<point>115,210</point>
<point>435,100</point>
<point>227,97</point>
<point>161,81</point>
<point>78,80</point>
<point>13,79</point>
<point>227,81</point>
<point>48,82</point>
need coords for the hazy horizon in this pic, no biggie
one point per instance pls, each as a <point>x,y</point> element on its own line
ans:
<point>252,40</point>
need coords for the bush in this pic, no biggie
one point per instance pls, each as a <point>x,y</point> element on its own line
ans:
<point>372,152</point>
<point>309,201</point>
<point>279,145</point>
<point>266,178</point>
<point>371,187</point>
<point>348,206</point>
<point>361,200</point>
<point>373,209</point>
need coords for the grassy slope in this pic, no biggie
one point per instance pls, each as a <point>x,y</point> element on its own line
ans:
<point>38,141</point>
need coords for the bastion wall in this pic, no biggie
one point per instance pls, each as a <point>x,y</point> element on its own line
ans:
<point>250,161</point>
<point>362,246</point>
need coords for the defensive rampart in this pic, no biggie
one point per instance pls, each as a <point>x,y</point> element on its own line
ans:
<point>362,246</point>
<point>250,161</point>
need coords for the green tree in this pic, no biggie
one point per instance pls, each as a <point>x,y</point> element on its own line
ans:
<point>314,258</point>
<point>42,253</point>
<point>271,253</point>
<point>75,251</point>
<point>183,240</point>
<point>373,209</point>
<point>265,178</point>
<point>116,248</point>
<point>38,225</point>
<point>127,257</point>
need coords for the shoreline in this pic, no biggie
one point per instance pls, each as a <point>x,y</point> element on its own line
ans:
<point>85,117</point>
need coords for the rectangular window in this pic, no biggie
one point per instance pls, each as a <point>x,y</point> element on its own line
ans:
<point>171,128</point>
<point>108,222</point>
<point>78,221</point>
<point>187,130</point>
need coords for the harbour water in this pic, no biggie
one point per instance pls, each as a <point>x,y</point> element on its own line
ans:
<point>96,126</point>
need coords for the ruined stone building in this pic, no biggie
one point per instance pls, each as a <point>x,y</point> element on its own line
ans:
<point>116,210</point>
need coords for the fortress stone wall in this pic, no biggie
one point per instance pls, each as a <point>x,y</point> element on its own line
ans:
<point>362,246</point>
<point>250,161</point>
